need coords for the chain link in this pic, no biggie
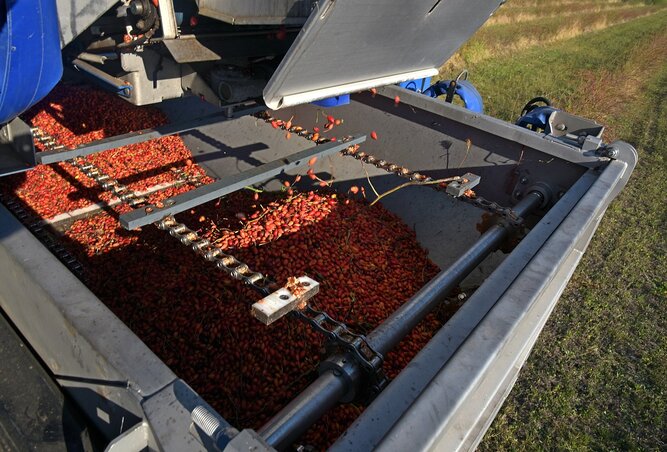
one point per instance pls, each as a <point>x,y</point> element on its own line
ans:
<point>225,262</point>
<point>41,231</point>
<point>107,183</point>
<point>353,151</point>
<point>194,180</point>
<point>46,140</point>
<point>297,130</point>
<point>340,335</point>
<point>506,213</point>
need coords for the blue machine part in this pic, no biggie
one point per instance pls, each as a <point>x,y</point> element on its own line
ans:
<point>30,50</point>
<point>537,118</point>
<point>336,101</point>
<point>418,86</point>
<point>464,89</point>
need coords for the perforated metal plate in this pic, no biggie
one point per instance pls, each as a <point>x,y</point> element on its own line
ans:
<point>352,45</point>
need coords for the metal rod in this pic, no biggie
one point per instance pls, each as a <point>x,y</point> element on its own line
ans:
<point>323,394</point>
<point>295,418</point>
<point>114,82</point>
<point>228,184</point>
<point>390,332</point>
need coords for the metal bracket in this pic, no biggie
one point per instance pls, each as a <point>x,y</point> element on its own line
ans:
<point>575,130</point>
<point>17,149</point>
<point>168,19</point>
<point>458,188</point>
<point>283,301</point>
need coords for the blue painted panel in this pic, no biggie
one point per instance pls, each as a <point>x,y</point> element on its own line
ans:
<point>464,89</point>
<point>336,101</point>
<point>30,61</point>
<point>418,85</point>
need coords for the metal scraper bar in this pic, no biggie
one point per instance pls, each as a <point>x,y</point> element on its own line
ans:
<point>228,184</point>
<point>47,157</point>
<point>283,301</point>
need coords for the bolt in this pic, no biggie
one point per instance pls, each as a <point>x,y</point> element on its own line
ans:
<point>517,194</point>
<point>524,180</point>
<point>610,152</point>
<point>561,127</point>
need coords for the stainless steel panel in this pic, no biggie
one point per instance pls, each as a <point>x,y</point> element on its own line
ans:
<point>77,15</point>
<point>248,12</point>
<point>369,43</point>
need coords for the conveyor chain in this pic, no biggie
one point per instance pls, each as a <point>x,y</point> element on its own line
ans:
<point>226,262</point>
<point>288,127</point>
<point>39,230</point>
<point>232,266</point>
<point>478,201</point>
<point>341,337</point>
<point>337,332</point>
<point>506,213</point>
<point>107,183</point>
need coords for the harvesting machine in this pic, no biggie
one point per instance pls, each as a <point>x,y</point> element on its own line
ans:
<point>504,210</point>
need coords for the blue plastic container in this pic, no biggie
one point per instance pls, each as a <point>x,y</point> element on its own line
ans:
<point>31,63</point>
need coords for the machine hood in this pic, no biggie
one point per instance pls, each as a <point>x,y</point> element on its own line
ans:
<point>352,45</point>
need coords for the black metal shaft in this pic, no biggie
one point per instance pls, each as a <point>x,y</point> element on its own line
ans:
<point>302,412</point>
<point>390,332</point>
<point>323,394</point>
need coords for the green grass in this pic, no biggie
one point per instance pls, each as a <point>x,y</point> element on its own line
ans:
<point>597,377</point>
<point>514,29</point>
<point>505,38</point>
<point>507,83</point>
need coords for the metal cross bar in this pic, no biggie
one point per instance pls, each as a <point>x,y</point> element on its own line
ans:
<point>54,156</point>
<point>229,184</point>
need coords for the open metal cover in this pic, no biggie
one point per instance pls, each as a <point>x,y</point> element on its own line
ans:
<point>352,45</point>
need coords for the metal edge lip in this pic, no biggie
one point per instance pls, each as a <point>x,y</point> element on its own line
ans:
<point>80,310</point>
<point>448,389</point>
<point>276,101</point>
<point>497,127</point>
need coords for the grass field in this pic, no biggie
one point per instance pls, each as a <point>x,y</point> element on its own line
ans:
<point>597,377</point>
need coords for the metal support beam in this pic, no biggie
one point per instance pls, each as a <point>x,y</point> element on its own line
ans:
<point>323,394</point>
<point>150,214</point>
<point>140,136</point>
